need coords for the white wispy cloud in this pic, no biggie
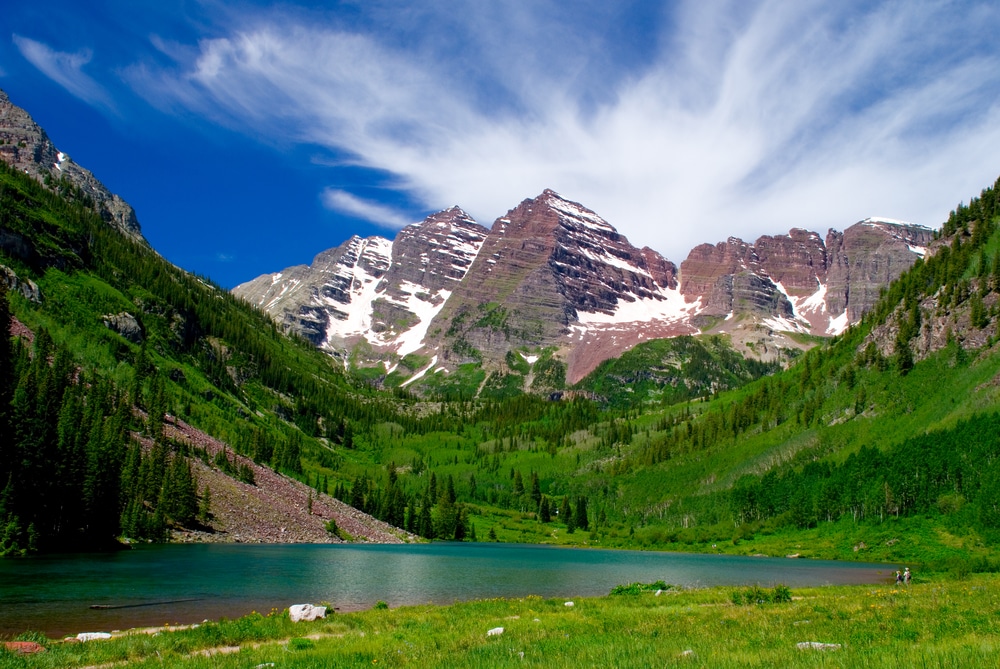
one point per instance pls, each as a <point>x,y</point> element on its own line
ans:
<point>739,117</point>
<point>373,212</point>
<point>66,69</point>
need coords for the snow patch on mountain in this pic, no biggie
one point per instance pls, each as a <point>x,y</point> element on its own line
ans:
<point>363,285</point>
<point>669,306</point>
<point>425,307</point>
<point>419,374</point>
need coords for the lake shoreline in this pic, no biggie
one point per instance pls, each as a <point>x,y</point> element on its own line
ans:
<point>187,583</point>
<point>937,620</point>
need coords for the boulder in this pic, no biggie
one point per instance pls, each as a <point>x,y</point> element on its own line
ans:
<point>307,612</point>
<point>92,636</point>
<point>496,631</point>
<point>126,325</point>
<point>24,647</point>
<point>817,645</point>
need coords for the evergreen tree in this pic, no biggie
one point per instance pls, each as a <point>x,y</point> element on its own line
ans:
<point>205,506</point>
<point>7,381</point>
<point>426,521</point>
<point>450,489</point>
<point>461,523</point>
<point>544,512</point>
<point>580,515</point>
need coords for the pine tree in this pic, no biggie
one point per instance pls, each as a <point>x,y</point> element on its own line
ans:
<point>426,521</point>
<point>205,506</point>
<point>580,517</point>
<point>461,523</point>
<point>7,381</point>
<point>536,489</point>
<point>544,512</point>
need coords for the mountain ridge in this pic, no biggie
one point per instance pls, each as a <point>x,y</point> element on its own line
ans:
<point>25,146</point>
<point>552,274</point>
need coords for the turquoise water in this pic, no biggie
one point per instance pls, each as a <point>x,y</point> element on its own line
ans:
<point>153,585</point>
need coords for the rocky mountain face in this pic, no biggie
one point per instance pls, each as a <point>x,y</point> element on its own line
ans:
<point>553,278</point>
<point>374,291</point>
<point>553,273</point>
<point>797,276</point>
<point>25,146</point>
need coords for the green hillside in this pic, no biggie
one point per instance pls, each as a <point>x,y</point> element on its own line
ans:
<point>75,401</point>
<point>882,441</point>
<point>669,371</point>
<point>881,444</point>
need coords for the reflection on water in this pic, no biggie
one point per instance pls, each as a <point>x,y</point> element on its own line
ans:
<point>153,585</point>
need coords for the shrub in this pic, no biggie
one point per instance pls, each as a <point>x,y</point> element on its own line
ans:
<point>639,588</point>
<point>781,594</point>
<point>755,594</point>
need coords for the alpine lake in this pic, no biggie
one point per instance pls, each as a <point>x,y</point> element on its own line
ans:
<point>183,584</point>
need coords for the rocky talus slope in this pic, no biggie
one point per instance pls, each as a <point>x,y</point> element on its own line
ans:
<point>275,509</point>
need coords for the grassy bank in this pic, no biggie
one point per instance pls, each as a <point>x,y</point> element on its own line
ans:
<point>944,622</point>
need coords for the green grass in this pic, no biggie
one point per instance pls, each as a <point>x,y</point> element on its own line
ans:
<point>934,622</point>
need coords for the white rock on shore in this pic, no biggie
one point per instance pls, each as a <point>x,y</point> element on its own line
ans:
<point>308,612</point>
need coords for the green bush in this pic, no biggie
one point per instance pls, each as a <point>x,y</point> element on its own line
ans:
<point>639,588</point>
<point>755,594</point>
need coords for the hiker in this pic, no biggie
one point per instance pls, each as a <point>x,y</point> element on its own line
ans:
<point>907,576</point>
<point>899,577</point>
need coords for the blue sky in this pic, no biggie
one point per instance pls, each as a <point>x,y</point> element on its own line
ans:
<point>250,136</point>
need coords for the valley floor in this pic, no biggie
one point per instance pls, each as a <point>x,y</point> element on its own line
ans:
<point>933,622</point>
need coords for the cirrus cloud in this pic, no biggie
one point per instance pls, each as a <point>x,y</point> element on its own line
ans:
<point>727,117</point>
<point>373,212</point>
<point>66,69</point>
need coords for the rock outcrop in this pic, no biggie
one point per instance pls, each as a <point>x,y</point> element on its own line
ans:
<point>126,325</point>
<point>25,146</point>
<point>26,287</point>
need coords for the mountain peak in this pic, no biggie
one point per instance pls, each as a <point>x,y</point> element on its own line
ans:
<point>553,275</point>
<point>26,147</point>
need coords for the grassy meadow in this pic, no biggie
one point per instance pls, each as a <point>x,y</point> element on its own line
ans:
<point>934,622</point>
